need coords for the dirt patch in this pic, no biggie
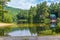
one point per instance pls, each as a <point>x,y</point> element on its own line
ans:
<point>6,24</point>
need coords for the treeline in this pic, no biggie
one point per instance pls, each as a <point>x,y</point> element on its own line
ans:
<point>38,14</point>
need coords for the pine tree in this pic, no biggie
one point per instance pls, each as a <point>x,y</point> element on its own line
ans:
<point>32,13</point>
<point>42,11</point>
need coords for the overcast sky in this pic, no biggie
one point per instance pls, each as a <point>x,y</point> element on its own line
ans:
<point>25,4</point>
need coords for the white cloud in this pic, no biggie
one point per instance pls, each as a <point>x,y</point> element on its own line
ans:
<point>23,4</point>
<point>51,1</point>
<point>48,3</point>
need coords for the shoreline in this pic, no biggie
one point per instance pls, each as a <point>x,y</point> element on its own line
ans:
<point>6,24</point>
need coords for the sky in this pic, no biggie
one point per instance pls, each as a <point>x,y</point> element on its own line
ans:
<point>26,4</point>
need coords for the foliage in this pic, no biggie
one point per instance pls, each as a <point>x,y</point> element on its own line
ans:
<point>8,18</point>
<point>2,11</point>
<point>47,32</point>
<point>38,14</point>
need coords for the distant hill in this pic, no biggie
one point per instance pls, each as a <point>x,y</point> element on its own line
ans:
<point>12,11</point>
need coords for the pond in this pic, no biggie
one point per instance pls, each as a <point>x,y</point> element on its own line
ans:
<point>20,31</point>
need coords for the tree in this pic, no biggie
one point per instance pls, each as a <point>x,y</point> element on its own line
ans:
<point>54,9</point>
<point>42,11</point>
<point>8,18</point>
<point>59,10</point>
<point>2,11</point>
<point>32,14</point>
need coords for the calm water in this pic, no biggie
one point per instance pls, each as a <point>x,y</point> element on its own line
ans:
<point>25,31</point>
<point>20,31</point>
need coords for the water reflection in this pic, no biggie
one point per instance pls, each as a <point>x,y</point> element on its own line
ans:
<point>21,33</point>
<point>26,31</point>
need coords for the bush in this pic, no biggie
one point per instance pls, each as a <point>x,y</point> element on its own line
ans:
<point>8,18</point>
<point>46,20</point>
<point>46,32</point>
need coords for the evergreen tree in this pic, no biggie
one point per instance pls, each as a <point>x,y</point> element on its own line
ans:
<point>42,11</point>
<point>32,14</point>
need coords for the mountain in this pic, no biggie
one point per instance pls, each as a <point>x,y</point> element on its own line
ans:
<point>12,11</point>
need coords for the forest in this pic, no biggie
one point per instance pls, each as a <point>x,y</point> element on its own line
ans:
<point>38,14</point>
